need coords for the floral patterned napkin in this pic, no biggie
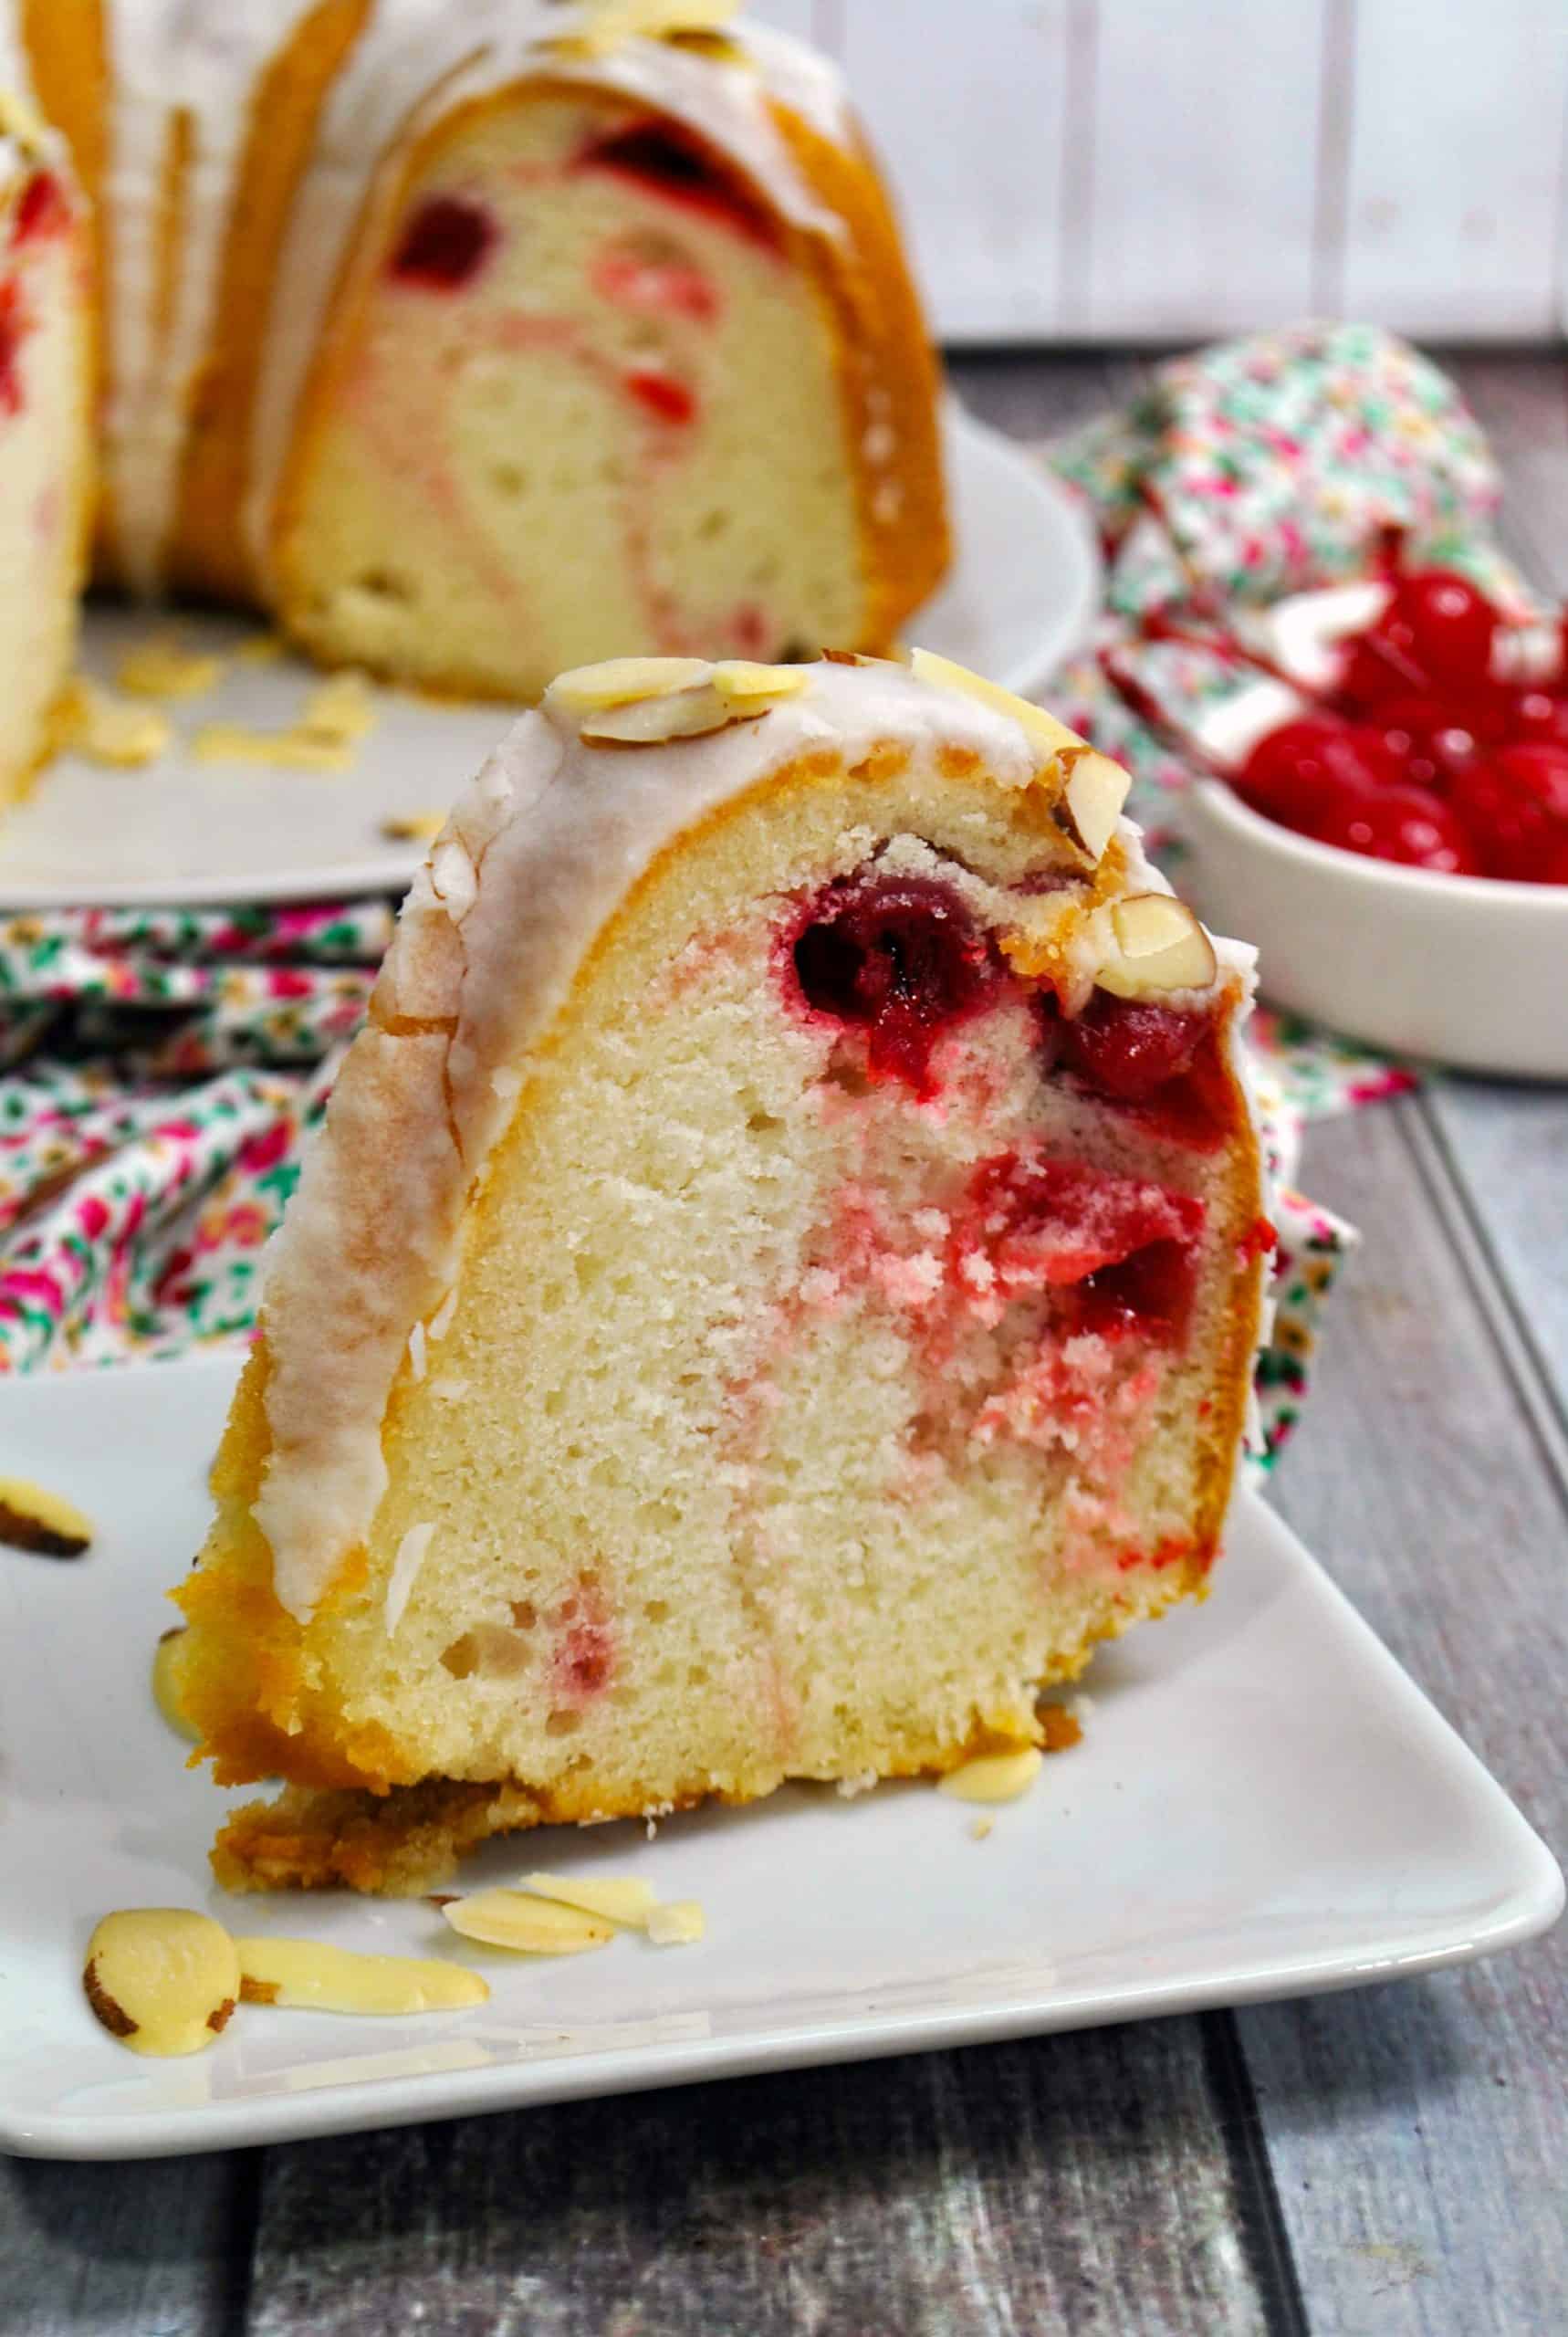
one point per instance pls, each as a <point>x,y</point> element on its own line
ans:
<point>1262,468</point>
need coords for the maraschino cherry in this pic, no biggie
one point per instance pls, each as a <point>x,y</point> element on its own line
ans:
<point>1420,753</point>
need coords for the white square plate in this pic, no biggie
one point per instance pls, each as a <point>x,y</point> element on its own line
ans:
<point>1263,1804</point>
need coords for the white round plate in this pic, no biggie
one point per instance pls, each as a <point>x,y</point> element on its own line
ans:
<point>1022,591</point>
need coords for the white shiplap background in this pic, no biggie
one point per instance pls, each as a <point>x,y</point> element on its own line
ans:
<point>1094,169</point>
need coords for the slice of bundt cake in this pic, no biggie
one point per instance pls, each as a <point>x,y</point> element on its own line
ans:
<point>777,1283</point>
<point>45,453</point>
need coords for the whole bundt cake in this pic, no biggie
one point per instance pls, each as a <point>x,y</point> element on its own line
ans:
<point>477,341</point>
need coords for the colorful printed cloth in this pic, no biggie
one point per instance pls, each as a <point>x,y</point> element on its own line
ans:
<point>162,1068</point>
<point>1266,466</point>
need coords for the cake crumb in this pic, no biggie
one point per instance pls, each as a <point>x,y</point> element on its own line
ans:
<point>160,668</point>
<point>981,1828</point>
<point>1062,1728</point>
<point>259,649</point>
<point>847,1788</point>
<point>91,722</point>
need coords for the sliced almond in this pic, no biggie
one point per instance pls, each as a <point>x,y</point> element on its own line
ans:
<point>341,710</point>
<point>1092,798</point>
<point>619,1899</point>
<point>161,668</point>
<point>93,722</point>
<point>655,721</point>
<point>619,681</point>
<point>309,1974</point>
<point>1160,947</point>
<point>994,1776</point>
<point>34,1518</point>
<point>413,827</point>
<point>535,1926</point>
<point>19,119</point>
<point>166,1685</point>
<point>679,1923</point>
<point>164,1980</point>
<point>743,683</point>
<point>1048,737</point>
<point>608,23</point>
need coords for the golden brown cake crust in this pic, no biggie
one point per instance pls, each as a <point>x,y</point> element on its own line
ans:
<point>207,552</point>
<point>890,380</point>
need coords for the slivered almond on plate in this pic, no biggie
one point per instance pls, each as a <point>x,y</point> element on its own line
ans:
<point>532,1926</point>
<point>619,1899</point>
<point>993,1777</point>
<point>679,1923</point>
<point>164,1980</point>
<point>33,1518</point>
<point>309,1974</point>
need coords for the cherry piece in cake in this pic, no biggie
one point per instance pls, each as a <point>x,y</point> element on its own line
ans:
<point>899,957</point>
<point>43,210</point>
<point>1151,1291</point>
<point>14,327</point>
<point>1117,1248</point>
<point>660,394</point>
<point>654,156</point>
<point>1128,1050</point>
<point>444,244</point>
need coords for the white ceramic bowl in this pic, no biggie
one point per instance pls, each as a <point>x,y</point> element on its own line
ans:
<point>1462,969</point>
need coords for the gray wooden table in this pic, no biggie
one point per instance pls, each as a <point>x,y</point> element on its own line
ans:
<point>1376,2164</point>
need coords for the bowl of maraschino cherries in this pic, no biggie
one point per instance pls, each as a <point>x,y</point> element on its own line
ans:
<point>1388,817</point>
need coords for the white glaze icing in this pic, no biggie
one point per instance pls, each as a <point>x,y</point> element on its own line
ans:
<point>537,855</point>
<point>205,58</point>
